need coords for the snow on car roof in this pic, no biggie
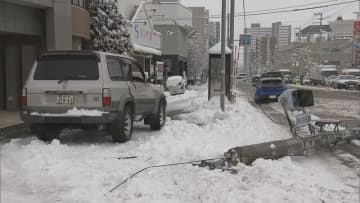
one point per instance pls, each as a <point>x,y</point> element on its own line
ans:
<point>271,78</point>
<point>328,69</point>
<point>351,70</point>
<point>176,77</point>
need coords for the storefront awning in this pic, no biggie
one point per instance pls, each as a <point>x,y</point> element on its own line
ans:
<point>146,50</point>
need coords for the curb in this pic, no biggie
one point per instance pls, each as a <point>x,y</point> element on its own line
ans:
<point>13,131</point>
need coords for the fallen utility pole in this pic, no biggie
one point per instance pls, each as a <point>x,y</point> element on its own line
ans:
<point>291,99</point>
<point>296,146</point>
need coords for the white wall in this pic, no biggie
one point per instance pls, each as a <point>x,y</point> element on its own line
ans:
<point>127,7</point>
<point>162,13</point>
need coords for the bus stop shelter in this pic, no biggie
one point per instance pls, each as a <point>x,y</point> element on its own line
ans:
<point>214,78</point>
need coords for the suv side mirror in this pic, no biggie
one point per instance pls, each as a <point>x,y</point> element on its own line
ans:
<point>293,99</point>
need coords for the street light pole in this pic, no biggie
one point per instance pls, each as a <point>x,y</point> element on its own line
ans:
<point>231,43</point>
<point>320,33</point>
<point>223,62</point>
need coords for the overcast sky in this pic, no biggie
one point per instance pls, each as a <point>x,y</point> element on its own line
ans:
<point>296,19</point>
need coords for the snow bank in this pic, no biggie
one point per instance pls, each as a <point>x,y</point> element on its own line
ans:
<point>32,171</point>
<point>323,88</point>
<point>73,112</point>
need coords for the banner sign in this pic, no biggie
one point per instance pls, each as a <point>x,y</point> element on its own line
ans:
<point>245,40</point>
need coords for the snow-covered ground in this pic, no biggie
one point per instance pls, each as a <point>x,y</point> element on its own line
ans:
<point>83,171</point>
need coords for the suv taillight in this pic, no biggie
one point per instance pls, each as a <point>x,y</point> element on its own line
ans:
<point>106,97</point>
<point>24,97</point>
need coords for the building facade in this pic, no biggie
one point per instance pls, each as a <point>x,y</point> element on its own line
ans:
<point>265,42</point>
<point>146,41</point>
<point>341,29</point>
<point>333,52</point>
<point>29,27</point>
<point>174,21</point>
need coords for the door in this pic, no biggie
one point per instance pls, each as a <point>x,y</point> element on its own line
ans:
<point>143,92</point>
<point>2,79</point>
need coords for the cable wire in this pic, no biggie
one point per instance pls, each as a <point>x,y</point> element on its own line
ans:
<point>163,165</point>
<point>271,11</point>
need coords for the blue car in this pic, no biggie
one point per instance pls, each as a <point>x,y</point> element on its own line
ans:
<point>269,89</point>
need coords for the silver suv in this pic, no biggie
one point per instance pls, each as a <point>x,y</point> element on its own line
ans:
<point>90,90</point>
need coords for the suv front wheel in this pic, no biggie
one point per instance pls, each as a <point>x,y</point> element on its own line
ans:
<point>121,129</point>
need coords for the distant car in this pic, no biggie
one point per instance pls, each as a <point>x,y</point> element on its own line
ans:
<point>255,80</point>
<point>176,84</point>
<point>269,89</point>
<point>345,82</point>
<point>242,77</point>
<point>331,80</point>
<point>306,81</point>
<point>288,76</point>
<point>273,74</point>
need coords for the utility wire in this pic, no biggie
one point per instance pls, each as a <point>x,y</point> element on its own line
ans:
<point>163,165</point>
<point>271,11</point>
<point>295,6</point>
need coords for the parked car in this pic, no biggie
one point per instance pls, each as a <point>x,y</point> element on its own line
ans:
<point>269,89</point>
<point>351,71</point>
<point>88,89</point>
<point>345,82</point>
<point>331,80</point>
<point>273,74</point>
<point>288,76</point>
<point>318,74</point>
<point>255,80</point>
<point>176,84</point>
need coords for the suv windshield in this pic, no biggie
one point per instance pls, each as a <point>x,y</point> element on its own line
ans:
<point>67,67</point>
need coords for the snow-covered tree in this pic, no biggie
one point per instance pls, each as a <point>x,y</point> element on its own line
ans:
<point>108,28</point>
<point>198,58</point>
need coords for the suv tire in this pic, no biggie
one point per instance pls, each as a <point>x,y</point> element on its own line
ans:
<point>158,120</point>
<point>121,129</point>
<point>45,132</point>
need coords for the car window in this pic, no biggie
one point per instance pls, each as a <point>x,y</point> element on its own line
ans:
<point>118,69</point>
<point>136,72</point>
<point>271,81</point>
<point>67,67</point>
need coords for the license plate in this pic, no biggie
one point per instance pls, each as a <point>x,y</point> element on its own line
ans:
<point>303,119</point>
<point>272,97</point>
<point>65,99</point>
<point>351,85</point>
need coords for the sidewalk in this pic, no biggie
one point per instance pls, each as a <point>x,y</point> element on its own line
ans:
<point>11,124</point>
<point>9,118</point>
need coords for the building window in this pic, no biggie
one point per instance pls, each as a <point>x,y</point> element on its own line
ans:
<point>79,3</point>
<point>333,63</point>
<point>335,49</point>
<point>325,50</point>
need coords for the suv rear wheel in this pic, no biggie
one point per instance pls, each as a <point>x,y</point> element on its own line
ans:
<point>121,129</point>
<point>158,120</point>
<point>46,132</point>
